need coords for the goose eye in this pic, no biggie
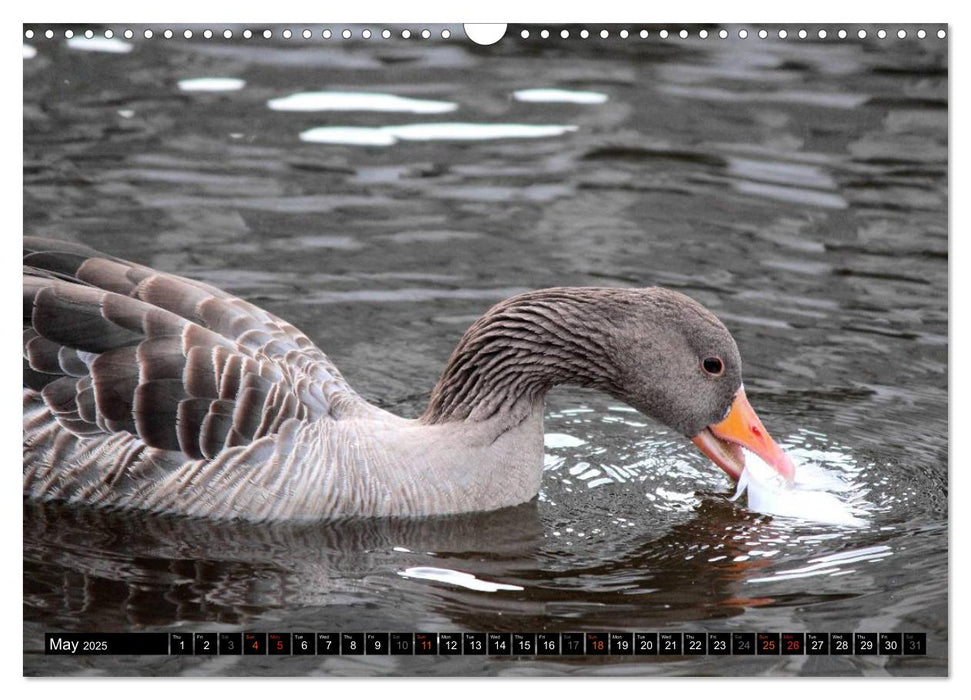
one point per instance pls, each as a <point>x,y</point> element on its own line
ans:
<point>713,365</point>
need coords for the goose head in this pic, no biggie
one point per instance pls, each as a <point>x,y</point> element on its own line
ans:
<point>678,364</point>
<point>657,350</point>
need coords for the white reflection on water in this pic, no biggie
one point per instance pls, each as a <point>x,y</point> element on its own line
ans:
<point>211,84</point>
<point>791,174</point>
<point>357,101</point>
<point>830,565</point>
<point>454,131</point>
<point>29,51</point>
<point>99,43</point>
<point>556,440</point>
<point>456,578</point>
<point>784,181</point>
<point>349,136</point>
<point>579,97</point>
<point>796,195</point>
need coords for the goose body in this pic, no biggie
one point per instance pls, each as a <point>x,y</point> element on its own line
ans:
<point>146,390</point>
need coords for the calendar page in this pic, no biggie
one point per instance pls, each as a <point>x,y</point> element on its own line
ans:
<point>429,349</point>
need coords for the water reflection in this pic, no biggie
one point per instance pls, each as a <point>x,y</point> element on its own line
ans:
<point>147,571</point>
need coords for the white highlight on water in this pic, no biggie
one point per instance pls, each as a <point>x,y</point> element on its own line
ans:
<point>456,578</point>
<point>99,43</point>
<point>580,97</point>
<point>29,51</point>
<point>454,131</point>
<point>349,136</point>
<point>830,565</point>
<point>357,101</point>
<point>211,84</point>
<point>555,440</point>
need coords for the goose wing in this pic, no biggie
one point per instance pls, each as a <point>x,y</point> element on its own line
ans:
<point>111,347</point>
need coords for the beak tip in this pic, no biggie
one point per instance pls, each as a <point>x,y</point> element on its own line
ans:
<point>787,468</point>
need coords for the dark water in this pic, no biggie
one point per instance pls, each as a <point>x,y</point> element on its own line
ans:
<point>798,188</point>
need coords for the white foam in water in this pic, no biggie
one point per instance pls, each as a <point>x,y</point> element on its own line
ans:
<point>211,84</point>
<point>456,578</point>
<point>809,498</point>
<point>357,101</point>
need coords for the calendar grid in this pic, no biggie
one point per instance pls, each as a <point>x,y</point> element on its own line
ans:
<point>499,644</point>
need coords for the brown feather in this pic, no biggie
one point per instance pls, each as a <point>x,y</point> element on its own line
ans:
<point>71,315</point>
<point>216,427</point>
<point>155,409</point>
<point>115,376</point>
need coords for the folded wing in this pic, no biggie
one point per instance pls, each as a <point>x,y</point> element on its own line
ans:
<point>114,347</point>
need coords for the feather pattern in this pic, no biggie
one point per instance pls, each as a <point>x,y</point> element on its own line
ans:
<point>159,378</point>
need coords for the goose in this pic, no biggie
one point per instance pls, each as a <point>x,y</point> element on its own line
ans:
<point>145,390</point>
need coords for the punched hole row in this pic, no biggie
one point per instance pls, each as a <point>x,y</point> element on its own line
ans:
<point>229,34</point>
<point>725,34</point>
<point>525,34</point>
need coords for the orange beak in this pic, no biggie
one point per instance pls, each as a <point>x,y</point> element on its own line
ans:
<point>722,442</point>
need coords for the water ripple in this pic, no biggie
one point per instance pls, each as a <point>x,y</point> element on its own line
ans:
<point>830,565</point>
<point>785,97</point>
